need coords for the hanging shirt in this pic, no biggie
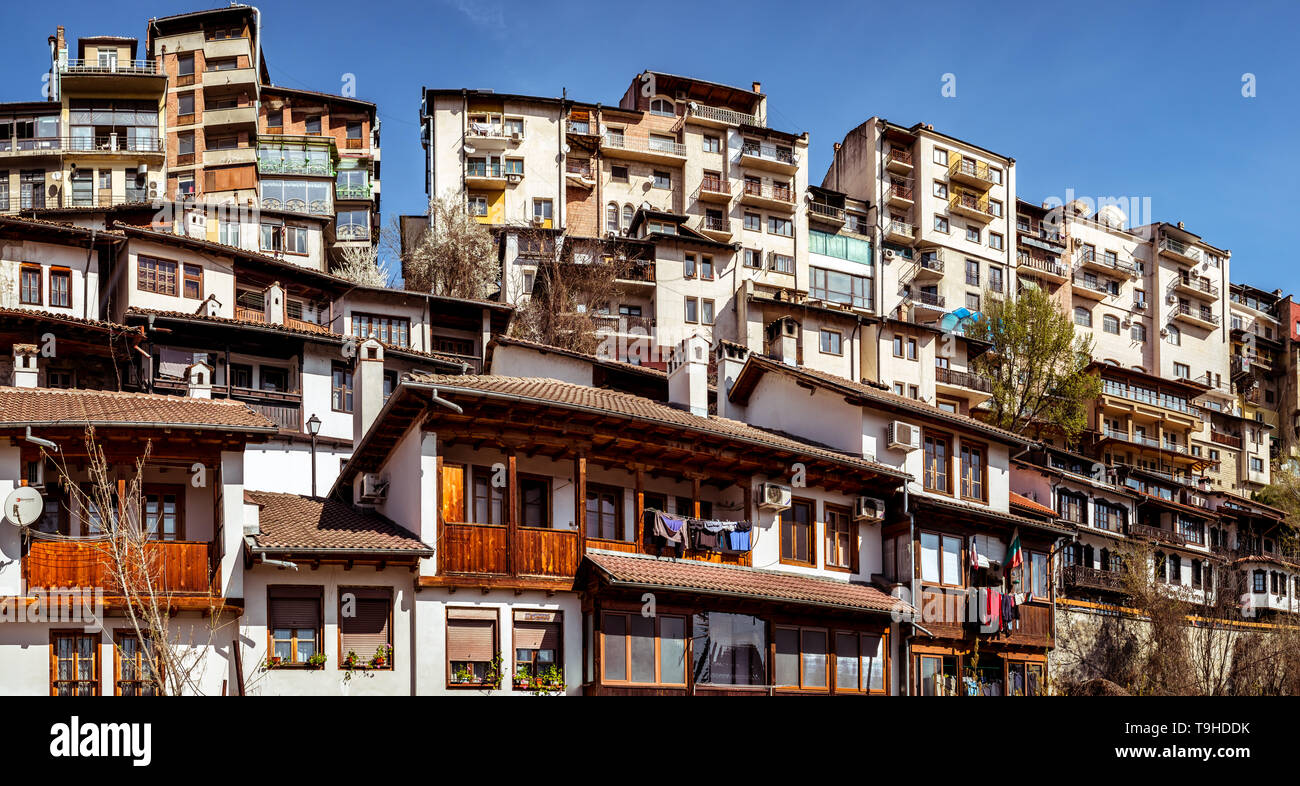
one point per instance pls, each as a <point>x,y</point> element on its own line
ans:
<point>671,528</point>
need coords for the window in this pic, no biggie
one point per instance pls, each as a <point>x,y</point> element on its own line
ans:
<point>972,301</point>
<point>973,234</point>
<point>837,287</point>
<point>938,450</point>
<point>797,532</point>
<point>712,144</point>
<point>1182,371</point>
<point>1259,583</point>
<point>995,278</point>
<point>706,312</point>
<point>940,156</point>
<point>692,309</point>
<point>83,194</point>
<point>74,664</point>
<point>1110,324</point>
<point>898,346</point>
<point>542,210</point>
<point>192,281</point>
<point>972,273</point>
<point>1175,337</point>
<point>911,349</point>
<point>163,512</point>
<point>478,206</point>
<point>801,658</point>
<point>1256,464</point>
<point>618,174</point>
<point>972,471</point>
<point>941,224</point>
<point>294,625</point>
<point>155,275</point>
<point>605,513</point>
<point>940,189</point>
<point>30,286</point>
<point>136,668</point>
<point>706,268</point>
<point>1138,332</point>
<point>941,559</point>
<point>995,207</point>
<point>643,650</point>
<point>365,624</point>
<point>489,496</point>
<point>663,179</point>
<point>841,541</point>
<point>185,106</point>
<point>1082,317</point>
<point>312,125</point>
<point>688,266</point>
<point>860,662</point>
<point>611,217</point>
<point>1072,507</point>
<point>388,330</point>
<point>185,64</point>
<point>831,342</point>
<point>662,107</point>
<point>780,226</point>
<point>514,166</point>
<point>537,643</point>
<point>627,217</point>
<point>753,258</point>
<point>754,222</point>
<point>341,388</point>
<point>782,263</point>
<point>534,502</point>
<point>996,241</point>
<point>471,645</point>
<point>1038,577</point>
<point>730,649</point>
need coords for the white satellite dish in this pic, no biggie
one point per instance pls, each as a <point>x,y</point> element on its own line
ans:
<point>23,506</point>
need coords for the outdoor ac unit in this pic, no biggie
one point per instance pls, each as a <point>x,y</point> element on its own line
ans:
<point>1140,305</point>
<point>890,254</point>
<point>514,178</point>
<point>869,509</point>
<point>1171,299</point>
<point>904,436</point>
<point>373,488</point>
<point>537,220</point>
<point>1164,332</point>
<point>516,135</point>
<point>774,496</point>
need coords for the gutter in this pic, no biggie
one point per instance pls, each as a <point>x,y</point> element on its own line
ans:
<point>425,552</point>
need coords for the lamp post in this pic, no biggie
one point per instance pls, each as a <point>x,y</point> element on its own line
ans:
<point>313,428</point>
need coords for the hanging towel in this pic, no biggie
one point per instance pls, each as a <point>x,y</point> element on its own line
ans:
<point>704,539</point>
<point>716,526</point>
<point>670,528</point>
<point>1007,611</point>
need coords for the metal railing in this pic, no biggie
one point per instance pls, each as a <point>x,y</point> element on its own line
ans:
<point>933,264</point>
<point>1091,282</point>
<point>826,211</point>
<point>1093,578</point>
<point>969,201</point>
<point>961,165</point>
<point>1180,248</point>
<point>927,299</point>
<point>352,191</point>
<point>897,191</point>
<point>774,191</point>
<point>1110,387</point>
<point>283,166</point>
<point>714,185</point>
<point>716,224</point>
<point>123,67</point>
<point>899,155</point>
<point>781,155</point>
<point>965,379</point>
<point>643,145</point>
<point>1090,256</point>
<point>581,168</point>
<point>1198,283</point>
<point>482,169</point>
<point>1045,265</point>
<point>490,131</point>
<point>901,228</point>
<point>321,207</point>
<point>1203,314</point>
<point>721,115</point>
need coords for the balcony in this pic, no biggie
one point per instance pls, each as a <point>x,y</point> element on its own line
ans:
<point>1154,405</point>
<point>716,227</point>
<point>235,115</point>
<point>720,117</point>
<point>1190,284</point>
<point>218,48</point>
<point>624,325</point>
<point>283,408</point>
<point>1225,438</point>
<point>230,77</point>
<point>113,144</point>
<point>352,191</point>
<point>900,232</point>
<point>1089,259</point>
<point>1042,268</point>
<point>182,566</point>
<point>826,214</point>
<point>899,160</point>
<point>900,195</point>
<point>481,175</point>
<point>648,149</point>
<point>492,135</point>
<point>580,172</point>
<point>927,301</point>
<point>948,377</point>
<point>971,205</point>
<point>1079,577</point>
<point>1156,534</point>
<point>774,158</point>
<point>714,189</point>
<point>1199,316</point>
<point>1090,286</point>
<point>271,164</point>
<point>773,196</point>
<point>119,77</point>
<point>1180,251</point>
<point>964,169</point>
<point>236,155</point>
<point>928,266</point>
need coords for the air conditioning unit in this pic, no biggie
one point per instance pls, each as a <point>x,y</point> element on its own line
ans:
<point>516,135</point>
<point>1171,299</point>
<point>890,254</point>
<point>904,436</point>
<point>537,221</point>
<point>1164,332</point>
<point>869,509</point>
<point>514,178</point>
<point>1140,305</point>
<point>774,496</point>
<point>373,488</point>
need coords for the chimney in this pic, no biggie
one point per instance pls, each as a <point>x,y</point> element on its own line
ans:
<point>210,307</point>
<point>368,387</point>
<point>688,376</point>
<point>273,304</point>
<point>25,367</point>
<point>198,380</point>
<point>731,359</point>
<point>758,86</point>
<point>783,340</point>
<point>1180,225</point>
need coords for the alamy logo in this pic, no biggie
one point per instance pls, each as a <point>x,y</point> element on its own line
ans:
<point>94,740</point>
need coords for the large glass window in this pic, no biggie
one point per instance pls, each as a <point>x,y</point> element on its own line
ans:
<point>797,531</point>
<point>840,287</point>
<point>730,649</point>
<point>941,559</point>
<point>644,650</point>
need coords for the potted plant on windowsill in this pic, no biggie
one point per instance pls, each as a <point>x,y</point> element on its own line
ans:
<point>383,657</point>
<point>274,661</point>
<point>317,661</point>
<point>351,660</point>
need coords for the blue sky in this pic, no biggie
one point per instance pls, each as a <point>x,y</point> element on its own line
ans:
<point>1102,98</point>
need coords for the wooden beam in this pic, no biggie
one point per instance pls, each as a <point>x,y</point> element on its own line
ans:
<point>640,510</point>
<point>580,501</point>
<point>512,515</point>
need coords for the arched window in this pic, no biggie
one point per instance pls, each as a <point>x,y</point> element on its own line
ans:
<point>627,217</point>
<point>1175,336</point>
<point>662,107</point>
<point>1139,332</point>
<point>1110,324</point>
<point>611,217</point>
<point>1082,317</point>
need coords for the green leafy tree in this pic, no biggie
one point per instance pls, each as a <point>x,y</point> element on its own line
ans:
<point>1037,365</point>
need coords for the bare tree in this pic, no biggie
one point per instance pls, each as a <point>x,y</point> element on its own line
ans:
<point>173,664</point>
<point>456,257</point>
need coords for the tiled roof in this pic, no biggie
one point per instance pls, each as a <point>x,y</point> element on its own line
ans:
<point>45,407</point>
<point>968,509</point>
<point>758,364</point>
<point>96,324</point>
<point>291,522</point>
<point>702,577</point>
<point>1028,504</point>
<point>617,403</point>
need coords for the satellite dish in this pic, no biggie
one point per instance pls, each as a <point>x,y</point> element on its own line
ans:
<point>566,147</point>
<point>23,506</point>
<point>469,149</point>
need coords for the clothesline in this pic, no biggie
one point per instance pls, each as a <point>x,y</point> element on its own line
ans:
<point>703,534</point>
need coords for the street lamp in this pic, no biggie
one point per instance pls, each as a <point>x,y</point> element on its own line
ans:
<point>313,428</point>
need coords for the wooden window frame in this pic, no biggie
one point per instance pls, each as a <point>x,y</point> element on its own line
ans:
<point>969,446</point>
<point>64,273</point>
<point>161,489</point>
<point>961,561</point>
<point>446,647</point>
<point>119,635</point>
<point>365,656</point>
<point>486,472</point>
<point>197,280</point>
<point>1029,579</point>
<point>464,489</point>
<point>687,665</point>
<point>860,690</point>
<point>155,287</point>
<point>926,470</point>
<point>828,548</point>
<point>339,391</point>
<point>547,500</point>
<point>799,631</point>
<point>812,534</point>
<point>514,641</point>
<point>363,319</point>
<point>25,269</point>
<point>74,633</point>
<point>619,526</point>
<point>299,591</point>
<point>839,339</point>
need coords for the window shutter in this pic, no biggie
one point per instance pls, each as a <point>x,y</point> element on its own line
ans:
<point>295,612</point>
<point>537,636</point>
<point>471,640</point>
<point>453,492</point>
<point>367,630</point>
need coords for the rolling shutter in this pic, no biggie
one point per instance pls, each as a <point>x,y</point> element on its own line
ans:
<point>537,636</point>
<point>295,607</point>
<point>471,640</point>
<point>367,630</point>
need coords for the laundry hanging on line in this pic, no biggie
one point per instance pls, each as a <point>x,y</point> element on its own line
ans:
<point>703,534</point>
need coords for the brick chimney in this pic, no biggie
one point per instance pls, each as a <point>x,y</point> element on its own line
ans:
<point>25,366</point>
<point>273,304</point>
<point>688,376</point>
<point>198,380</point>
<point>367,387</point>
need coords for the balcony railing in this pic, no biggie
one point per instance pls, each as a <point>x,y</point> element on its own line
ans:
<point>773,191</point>
<point>901,228</point>
<point>948,376</point>
<point>1157,534</point>
<point>934,264</point>
<point>714,185</point>
<point>1092,282</point>
<point>1180,248</point>
<point>1199,284</point>
<point>1111,387</point>
<point>720,115</point>
<point>269,165</point>
<point>1049,266</point>
<point>643,145</point>
<point>970,168</point>
<point>781,155</point>
<point>1083,577</point>
<point>716,224</point>
<point>1203,314</point>
<point>581,168</point>
<point>900,156</point>
<point>964,200</point>
<point>927,299</point>
<point>1089,256</point>
<point>123,67</point>
<point>179,566</point>
<point>491,131</point>
<point>826,211</point>
<point>352,191</point>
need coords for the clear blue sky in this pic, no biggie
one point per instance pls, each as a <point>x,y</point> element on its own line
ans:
<point>1097,97</point>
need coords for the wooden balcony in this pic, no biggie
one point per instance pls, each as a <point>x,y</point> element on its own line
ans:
<point>1085,578</point>
<point>962,379</point>
<point>182,566</point>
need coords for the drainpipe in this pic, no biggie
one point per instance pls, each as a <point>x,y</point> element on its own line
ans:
<point>559,211</point>
<point>278,563</point>
<point>906,670</point>
<point>85,279</point>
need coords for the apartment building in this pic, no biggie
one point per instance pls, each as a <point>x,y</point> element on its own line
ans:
<point>1258,363</point>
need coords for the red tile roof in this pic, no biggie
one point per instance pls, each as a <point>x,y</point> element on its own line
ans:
<point>291,522</point>
<point>513,341</point>
<point>1028,504</point>
<point>701,577</point>
<point>45,407</point>
<point>68,319</point>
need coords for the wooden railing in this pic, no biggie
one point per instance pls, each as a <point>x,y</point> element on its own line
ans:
<point>181,566</point>
<point>249,314</point>
<point>473,548</point>
<point>546,552</point>
<point>965,379</point>
<point>1092,578</point>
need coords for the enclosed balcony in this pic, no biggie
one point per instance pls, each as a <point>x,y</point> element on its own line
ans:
<point>768,156</point>
<point>772,196</point>
<point>307,156</point>
<point>970,205</point>
<point>655,150</point>
<point>964,169</point>
<point>132,144</point>
<point>929,265</point>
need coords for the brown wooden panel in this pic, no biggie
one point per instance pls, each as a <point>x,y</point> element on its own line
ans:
<point>181,565</point>
<point>546,552</point>
<point>453,492</point>
<point>473,548</point>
